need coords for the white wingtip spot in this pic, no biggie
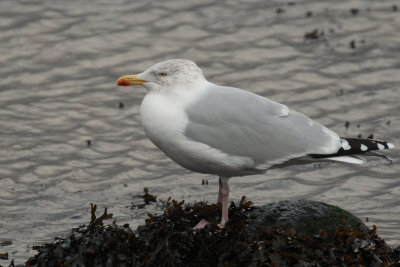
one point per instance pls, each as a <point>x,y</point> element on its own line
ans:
<point>364,147</point>
<point>380,146</point>
<point>390,145</point>
<point>345,144</point>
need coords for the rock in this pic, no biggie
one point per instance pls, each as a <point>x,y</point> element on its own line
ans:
<point>285,233</point>
<point>306,217</point>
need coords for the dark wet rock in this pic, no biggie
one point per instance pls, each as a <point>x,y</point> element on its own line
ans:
<point>304,216</point>
<point>286,233</point>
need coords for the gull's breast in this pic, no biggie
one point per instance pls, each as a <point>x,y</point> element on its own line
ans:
<point>163,122</point>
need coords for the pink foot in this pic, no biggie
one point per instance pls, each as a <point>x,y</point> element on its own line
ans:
<point>204,222</point>
<point>201,224</point>
<point>221,225</point>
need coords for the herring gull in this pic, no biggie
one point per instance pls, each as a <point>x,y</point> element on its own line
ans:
<point>230,132</point>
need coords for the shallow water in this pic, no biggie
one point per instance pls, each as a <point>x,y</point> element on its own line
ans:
<point>59,63</point>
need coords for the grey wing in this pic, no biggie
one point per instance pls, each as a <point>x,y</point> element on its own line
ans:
<point>240,123</point>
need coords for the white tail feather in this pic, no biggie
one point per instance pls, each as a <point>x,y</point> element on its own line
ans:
<point>348,159</point>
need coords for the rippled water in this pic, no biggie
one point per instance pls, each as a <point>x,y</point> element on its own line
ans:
<point>59,62</point>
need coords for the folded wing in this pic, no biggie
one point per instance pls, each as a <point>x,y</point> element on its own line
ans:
<point>240,123</point>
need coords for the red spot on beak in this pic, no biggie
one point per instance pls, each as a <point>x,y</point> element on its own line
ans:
<point>123,82</point>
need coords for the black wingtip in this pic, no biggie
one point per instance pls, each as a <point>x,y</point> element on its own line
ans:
<point>353,146</point>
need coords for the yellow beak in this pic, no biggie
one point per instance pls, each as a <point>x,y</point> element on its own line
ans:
<point>130,80</point>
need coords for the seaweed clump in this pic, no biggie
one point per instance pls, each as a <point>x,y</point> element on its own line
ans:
<point>169,240</point>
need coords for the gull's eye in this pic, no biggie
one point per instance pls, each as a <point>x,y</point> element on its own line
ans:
<point>162,74</point>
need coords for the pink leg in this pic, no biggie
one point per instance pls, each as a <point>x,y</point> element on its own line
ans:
<point>219,191</point>
<point>224,194</point>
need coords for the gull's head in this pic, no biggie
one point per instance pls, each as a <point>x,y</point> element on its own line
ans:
<point>169,75</point>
